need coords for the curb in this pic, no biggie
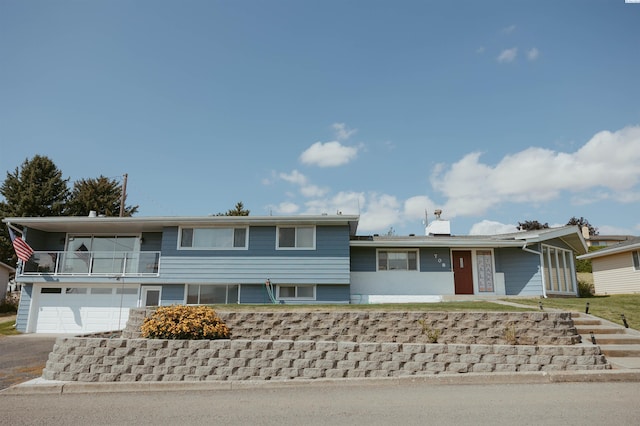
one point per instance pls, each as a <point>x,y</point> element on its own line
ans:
<point>41,386</point>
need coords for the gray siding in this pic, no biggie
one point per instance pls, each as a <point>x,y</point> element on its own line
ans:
<point>522,272</point>
<point>429,260</point>
<point>255,270</point>
<point>254,294</point>
<point>363,259</point>
<point>332,293</point>
<point>24,306</point>
<point>331,241</point>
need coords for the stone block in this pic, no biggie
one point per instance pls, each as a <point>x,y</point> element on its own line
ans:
<point>228,353</point>
<point>356,373</point>
<point>113,360</point>
<point>116,343</point>
<point>180,369</point>
<point>166,352</point>
<point>526,350</point>
<point>412,348</point>
<point>435,348</point>
<point>204,370</point>
<point>289,373</point>
<point>102,351</point>
<point>99,368</point>
<point>481,349</point>
<point>585,360</point>
<point>67,376</point>
<point>427,357</point>
<point>563,360</point>
<point>237,362</point>
<point>458,367</point>
<point>529,367</point>
<point>540,359</point>
<point>173,377</point>
<point>326,346</point>
<point>312,373</point>
<point>259,363</point>
<point>483,367</point>
<point>151,377</point>
<point>458,349</point>
<point>302,363</point>
<point>505,350</point>
<point>517,359</point>
<point>175,361</point>
<point>357,356</point>
<point>447,358</point>
<point>126,351</point>
<point>292,354</point>
<point>217,362</point>
<point>347,346</point>
<point>324,363</point>
<point>494,359</point>
<point>304,345</point>
<point>347,365</point>
<point>335,373</point>
<point>177,344</point>
<point>335,355</point>
<point>506,368</point>
<point>140,369</point>
<point>282,345</point>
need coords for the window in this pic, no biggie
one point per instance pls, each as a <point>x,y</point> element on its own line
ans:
<point>293,237</point>
<point>559,270</point>
<point>213,238</point>
<point>398,260</point>
<point>636,259</point>
<point>300,292</point>
<point>207,294</point>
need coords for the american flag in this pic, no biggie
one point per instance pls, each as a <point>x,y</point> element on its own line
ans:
<point>23,250</point>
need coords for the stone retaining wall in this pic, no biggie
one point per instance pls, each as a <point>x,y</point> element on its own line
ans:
<point>129,360</point>
<point>529,328</point>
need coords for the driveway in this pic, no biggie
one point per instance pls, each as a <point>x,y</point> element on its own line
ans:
<point>23,357</point>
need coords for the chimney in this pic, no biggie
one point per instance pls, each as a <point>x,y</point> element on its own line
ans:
<point>585,232</point>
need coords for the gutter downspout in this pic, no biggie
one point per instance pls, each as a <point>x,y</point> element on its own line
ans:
<point>544,286</point>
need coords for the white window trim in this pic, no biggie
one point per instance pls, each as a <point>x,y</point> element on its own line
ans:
<point>246,238</point>
<point>227,302</point>
<point>296,286</point>
<point>565,267</point>
<point>400,250</point>
<point>313,246</point>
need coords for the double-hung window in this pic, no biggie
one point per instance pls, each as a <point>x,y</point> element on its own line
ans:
<point>397,260</point>
<point>296,237</point>
<point>214,238</point>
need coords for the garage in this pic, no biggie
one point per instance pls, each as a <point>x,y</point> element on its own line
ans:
<point>83,309</point>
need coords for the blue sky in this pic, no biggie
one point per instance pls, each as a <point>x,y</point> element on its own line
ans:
<point>496,112</point>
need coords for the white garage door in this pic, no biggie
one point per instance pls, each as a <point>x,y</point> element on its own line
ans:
<point>84,309</point>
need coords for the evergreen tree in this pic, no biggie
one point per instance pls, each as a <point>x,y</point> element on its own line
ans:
<point>101,194</point>
<point>239,210</point>
<point>35,189</point>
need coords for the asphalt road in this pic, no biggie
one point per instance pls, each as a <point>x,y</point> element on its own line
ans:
<point>339,404</point>
<point>23,357</point>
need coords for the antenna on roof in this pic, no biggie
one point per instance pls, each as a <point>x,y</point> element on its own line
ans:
<point>438,212</point>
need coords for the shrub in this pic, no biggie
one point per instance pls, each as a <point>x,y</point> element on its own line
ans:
<point>185,322</point>
<point>585,289</point>
<point>8,304</point>
<point>433,334</point>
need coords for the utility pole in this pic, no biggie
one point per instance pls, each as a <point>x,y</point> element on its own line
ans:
<point>123,196</point>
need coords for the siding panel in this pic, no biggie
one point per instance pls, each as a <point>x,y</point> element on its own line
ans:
<point>22,317</point>
<point>615,274</point>
<point>521,270</point>
<point>226,270</point>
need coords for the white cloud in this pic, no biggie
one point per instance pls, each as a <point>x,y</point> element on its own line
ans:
<point>532,54</point>
<point>509,29</point>
<point>415,207</point>
<point>285,208</point>
<point>342,131</point>
<point>294,177</point>
<point>489,227</point>
<point>606,165</point>
<point>306,189</point>
<point>328,154</point>
<point>508,55</point>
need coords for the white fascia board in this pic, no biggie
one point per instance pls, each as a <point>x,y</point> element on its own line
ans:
<point>437,242</point>
<point>608,252</point>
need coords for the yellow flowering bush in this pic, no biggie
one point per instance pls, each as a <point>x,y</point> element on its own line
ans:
<point>185,322</point>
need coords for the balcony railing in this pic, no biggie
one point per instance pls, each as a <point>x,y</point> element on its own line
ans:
<point>93,263</point>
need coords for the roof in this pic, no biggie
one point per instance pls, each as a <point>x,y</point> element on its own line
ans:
<point>625,246</point>
<point>571,235</point>
<point>156,224</point>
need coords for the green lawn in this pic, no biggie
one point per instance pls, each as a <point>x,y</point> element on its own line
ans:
<point>608,307</point>
<point>6,327</point>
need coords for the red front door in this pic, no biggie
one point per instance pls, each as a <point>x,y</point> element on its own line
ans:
<point>462,272</point>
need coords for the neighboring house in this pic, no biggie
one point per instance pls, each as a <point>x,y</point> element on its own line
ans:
<point>616,269</point>
<point>87,272</point>
<point>6,273</point>
<point>603,240</point>
<point>430,268</point>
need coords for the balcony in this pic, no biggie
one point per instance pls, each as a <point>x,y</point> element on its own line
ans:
<point>93,263</point>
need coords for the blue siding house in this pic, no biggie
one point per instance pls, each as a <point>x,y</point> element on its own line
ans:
<point>87,272</point>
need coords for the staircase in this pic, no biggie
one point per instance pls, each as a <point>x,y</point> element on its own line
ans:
<point>620,345</point>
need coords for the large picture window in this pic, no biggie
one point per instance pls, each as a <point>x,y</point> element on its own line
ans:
<point>398,260</point>
<point>296,237</point>
<point>213,238</point>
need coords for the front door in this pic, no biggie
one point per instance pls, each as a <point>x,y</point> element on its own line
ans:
<point>462,272</point>
<point>151,296</point>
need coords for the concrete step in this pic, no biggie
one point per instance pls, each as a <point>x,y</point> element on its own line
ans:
<point>599,329</point>
<point>620,350</point>
<point>618,363</point>
<point>586,321</point>
<point>612,339</point>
